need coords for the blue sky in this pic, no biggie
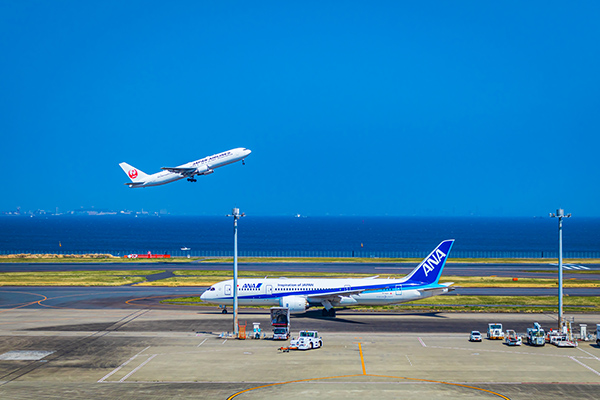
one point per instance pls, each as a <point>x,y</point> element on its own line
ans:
<point>352,108</point>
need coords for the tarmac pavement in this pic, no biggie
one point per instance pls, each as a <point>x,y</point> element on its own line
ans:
<point>155,353</point>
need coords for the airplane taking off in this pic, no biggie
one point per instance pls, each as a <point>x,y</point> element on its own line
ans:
<point>298,294</point>
<point>204,166</point>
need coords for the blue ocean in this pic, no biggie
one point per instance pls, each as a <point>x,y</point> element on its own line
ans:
<point>303,236</point>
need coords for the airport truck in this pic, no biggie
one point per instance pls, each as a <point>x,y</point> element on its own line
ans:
<point>306,340</point>
<point>512,338</point>
<point>280,321</point>
<point>495,331</point>
<point>535,335</point>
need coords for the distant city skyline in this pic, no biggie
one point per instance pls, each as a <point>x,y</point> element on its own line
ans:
<point>390,108</point>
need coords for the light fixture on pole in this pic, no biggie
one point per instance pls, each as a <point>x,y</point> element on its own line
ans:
<point>236,215</point>
<point>560,214</point>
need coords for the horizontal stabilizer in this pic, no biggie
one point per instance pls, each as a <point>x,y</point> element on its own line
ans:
<point>430,289</point>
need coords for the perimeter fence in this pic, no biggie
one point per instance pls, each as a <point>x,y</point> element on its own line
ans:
<point>323,254</point>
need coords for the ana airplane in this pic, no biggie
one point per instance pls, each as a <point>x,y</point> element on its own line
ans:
<point>299,294</point>
<point>204,166</point>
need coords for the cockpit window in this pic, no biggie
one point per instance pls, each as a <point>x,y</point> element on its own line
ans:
<point>211,289</point>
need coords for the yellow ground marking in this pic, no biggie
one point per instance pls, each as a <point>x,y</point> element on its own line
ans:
<point>145,298</point>
<point>362,360</point>
<point>26,304</point>
<point>365,374</point>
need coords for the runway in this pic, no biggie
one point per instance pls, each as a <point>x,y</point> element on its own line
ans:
<point>381,269</point>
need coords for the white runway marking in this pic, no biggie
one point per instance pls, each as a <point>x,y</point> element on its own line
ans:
<point>408,360</point>
<point>138,368</point>
<point>202,342</point>
<point>579,348</point>
<point>422,342</point>
<point>590,368</point>
<point>121,366</point>
<point>224,341</point>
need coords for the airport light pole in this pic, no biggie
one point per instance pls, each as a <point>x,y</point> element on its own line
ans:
<point>236,215</point>
<point>560,214</point>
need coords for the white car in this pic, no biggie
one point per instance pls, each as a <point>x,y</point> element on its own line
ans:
<point>306,340</point>
<point>475,336</point>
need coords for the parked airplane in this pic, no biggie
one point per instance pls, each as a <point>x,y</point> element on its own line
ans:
<point>204,166</point>
<point>298,294</point>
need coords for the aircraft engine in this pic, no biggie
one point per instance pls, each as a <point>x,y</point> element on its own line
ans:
<point>296,304</point>
<point>204,170</point>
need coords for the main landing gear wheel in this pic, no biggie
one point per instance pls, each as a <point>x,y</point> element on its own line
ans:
<point>192,180</point>
<point>328,313</point>
<point>224,311</point>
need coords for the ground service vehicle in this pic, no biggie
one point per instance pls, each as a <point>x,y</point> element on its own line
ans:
<point>306,340</point>
<point>535,335</point>
<point>563,341</point>
<point>598,334</point>
<point>512,339</point>
<point>551,336</point>
<point>475,336</point>
<point>495,331</point>
<point>280,321</point>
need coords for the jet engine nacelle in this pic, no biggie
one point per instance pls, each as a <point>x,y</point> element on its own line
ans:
<point>204,170</point>
<point>296,304</point>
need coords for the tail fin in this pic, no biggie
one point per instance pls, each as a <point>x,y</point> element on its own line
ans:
<point>133,173</point>
<point>430,269</point>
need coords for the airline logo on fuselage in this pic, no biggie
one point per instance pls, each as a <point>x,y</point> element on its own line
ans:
<point>433,261</point>
<point>251,286</point>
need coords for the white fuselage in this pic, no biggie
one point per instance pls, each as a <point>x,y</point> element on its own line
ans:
<point>207,163</point>
<point>299,294</point>
<point>269,292</point>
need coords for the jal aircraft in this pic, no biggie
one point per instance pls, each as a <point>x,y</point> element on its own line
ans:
<point>204,166</point>
<point>299,294</point>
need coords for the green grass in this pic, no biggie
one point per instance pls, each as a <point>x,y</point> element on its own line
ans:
<point>208,278</point>
<point>521,304</point>
<point>74,278</point>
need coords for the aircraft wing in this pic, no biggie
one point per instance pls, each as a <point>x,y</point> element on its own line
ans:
<point>341,293</point>
<point>182,171</point>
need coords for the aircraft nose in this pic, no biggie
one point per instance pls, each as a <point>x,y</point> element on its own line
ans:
<point>203,295</point>
<point>248,151</point>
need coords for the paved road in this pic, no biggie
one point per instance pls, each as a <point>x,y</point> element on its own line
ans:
<point>149,297</point>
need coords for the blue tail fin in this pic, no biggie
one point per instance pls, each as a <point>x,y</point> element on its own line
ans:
<point>430,269</point>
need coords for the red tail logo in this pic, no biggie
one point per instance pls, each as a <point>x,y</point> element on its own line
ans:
<point>133,173</point>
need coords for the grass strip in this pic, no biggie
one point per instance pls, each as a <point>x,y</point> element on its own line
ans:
<point>74,278</point>
<point>208,278</point>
